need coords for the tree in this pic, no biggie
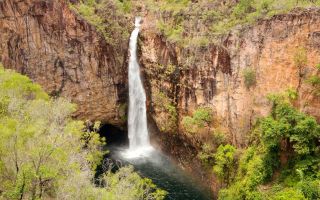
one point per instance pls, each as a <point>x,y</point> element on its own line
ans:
<point>45,154</point>
<point>225,163</point>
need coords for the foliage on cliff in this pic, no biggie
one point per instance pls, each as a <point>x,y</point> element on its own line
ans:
<point>110,17</point>
<point>190,24</point>
<point>281,162</point>
<point>314,81</point>
<point>167,112</point>
<point>200,119</point>
<point>45,154</point>
<point>197,23</point>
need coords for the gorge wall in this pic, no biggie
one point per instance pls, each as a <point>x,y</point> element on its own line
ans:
<point>48,42</point>
<point>67,56</point>
<point>215,78</point>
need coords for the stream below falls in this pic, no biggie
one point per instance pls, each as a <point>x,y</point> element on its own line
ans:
<point>164,173</point>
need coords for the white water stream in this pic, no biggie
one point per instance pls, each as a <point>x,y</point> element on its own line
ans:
<point>139,143</point>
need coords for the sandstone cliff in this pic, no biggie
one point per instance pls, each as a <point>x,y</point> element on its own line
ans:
<point>68,57</point>
<point>215,76</point>
<point>56,48</point>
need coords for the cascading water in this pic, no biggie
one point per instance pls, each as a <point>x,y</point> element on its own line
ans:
<point>148,162</point>
<point>139,142</point>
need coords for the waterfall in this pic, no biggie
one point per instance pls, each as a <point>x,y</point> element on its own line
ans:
<point>137,122</point>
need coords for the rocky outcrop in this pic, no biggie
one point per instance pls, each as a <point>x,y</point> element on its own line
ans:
<point>62,52</point>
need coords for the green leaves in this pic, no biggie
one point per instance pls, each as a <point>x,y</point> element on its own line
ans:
<point>201,118</point>
<point>300,57</point>
<point>14,84</point>
<point>249,76</point>
<point>167,115</point>
<point>287,138</point>
<point>44,153</point>
<point>289,194</point>
<point>127,184</point>
<point>224,162</point>
<point>287,122</point>
<point>36,147</point>
<point>242,8</point>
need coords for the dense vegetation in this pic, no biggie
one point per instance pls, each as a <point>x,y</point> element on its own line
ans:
<point>282,160</point>
<point>45,154</point>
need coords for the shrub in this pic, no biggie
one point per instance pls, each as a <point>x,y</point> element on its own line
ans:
<point>189,124</point>
<point>249,76</point>
<point>127,184</point>
<point>166,111</point>
<point>242,8</point>
<point>287,122</point>
<point>289,194</point>
<point>314,80</point>
<point>109,18</point>
<point>49,146</point>
<point>173,32</point>
<point>206,155</point>
<point>225,163</point>
<point>300,57</point>
<point>219,137</point>
<point>125,5</point>
<point>201,117</point>
<point>310,188</point>
<point>291,93</point>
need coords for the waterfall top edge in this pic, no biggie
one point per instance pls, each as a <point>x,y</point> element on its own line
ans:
<point>137,21</point>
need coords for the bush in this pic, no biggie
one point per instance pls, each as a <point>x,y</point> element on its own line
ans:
<point>249,76</point>
<point>201,117</point>
<point>300,57</point>
<point>314,80</point>
<point>242,9</point>
<point>206,155</point>
<point>219,137</point>
<point>288,194</point>
<point>167,116</point>
<point>287,122</point>
<point>225,163</point>
<point>127,184</point>
<point>310,188</point>
<point>47,143</point>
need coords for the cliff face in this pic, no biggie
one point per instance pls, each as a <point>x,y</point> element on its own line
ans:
<point>215,78</point>
<point>57,49</point>
<point>47,41</point>
<point>270,47</point>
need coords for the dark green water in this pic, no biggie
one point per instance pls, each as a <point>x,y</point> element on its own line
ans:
<point>165,174</point>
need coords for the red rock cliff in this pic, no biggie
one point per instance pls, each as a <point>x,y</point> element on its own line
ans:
<point>215,76</point>
<point>52,45</point>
